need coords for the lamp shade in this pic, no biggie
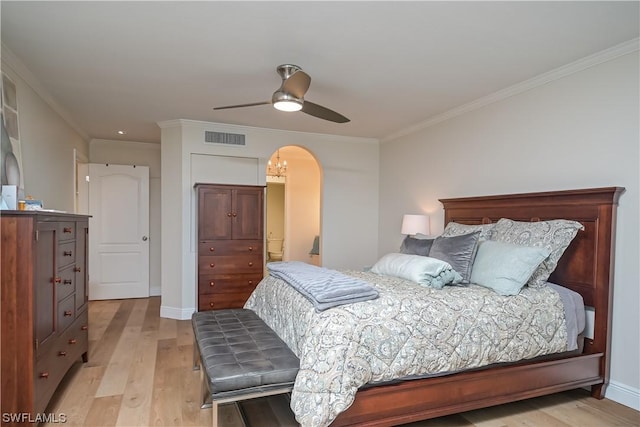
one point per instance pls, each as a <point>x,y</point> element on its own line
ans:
<point>415,224</point>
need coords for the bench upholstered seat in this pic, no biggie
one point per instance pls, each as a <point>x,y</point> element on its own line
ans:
<point>241,357</point>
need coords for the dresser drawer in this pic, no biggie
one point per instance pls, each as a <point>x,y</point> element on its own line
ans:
<point>65,283</point>
<point>228,264</point>
<point>66,254</point>
<point>230,247</point>
<point>228,283</point>
<point>217,301</point>
<point>66,231</point>
<point>66,312</point>
<point>52,367</point>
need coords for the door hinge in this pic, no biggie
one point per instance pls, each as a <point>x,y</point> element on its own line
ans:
<point>37,344</point>
<point>37,235</point>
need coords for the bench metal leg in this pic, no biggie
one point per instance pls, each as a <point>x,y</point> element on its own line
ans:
<point>196,355</point>
<point>205,395</point>
<point>214,414</point>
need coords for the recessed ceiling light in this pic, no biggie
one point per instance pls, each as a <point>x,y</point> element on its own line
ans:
<point>121,132</point>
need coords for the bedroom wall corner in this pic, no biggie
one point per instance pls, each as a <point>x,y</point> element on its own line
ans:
<point>578,131</point>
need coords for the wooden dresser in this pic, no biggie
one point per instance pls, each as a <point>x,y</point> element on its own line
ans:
<point>230,244</point>
<point>44,304</point>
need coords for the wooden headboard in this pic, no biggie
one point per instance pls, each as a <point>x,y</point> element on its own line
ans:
<point>587,265</point>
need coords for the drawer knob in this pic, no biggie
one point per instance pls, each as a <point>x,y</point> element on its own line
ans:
<point>211,304</point>
<point>211,283</point>
<point>44,375</point>
<point>57,280</point>
<point>67,253</point>
<point>251,282</point>
<point>84,327</point>
<point>67,230</point>
<point>235,214</point>
<point>213,264</point>
<point>68,313</point>
<point>77,269</point>
<point>250,248</point>
<point>62,353</point>
<point>73,341</point>
<point>250,263</point>
<point>229,214</point>
<point>212,249</point>
<point>67,281</point>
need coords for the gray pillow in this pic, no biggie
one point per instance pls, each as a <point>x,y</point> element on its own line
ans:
<point>412,246</point>
<point>459,251</point>
<point>554,235</point>
<point>506,267</point>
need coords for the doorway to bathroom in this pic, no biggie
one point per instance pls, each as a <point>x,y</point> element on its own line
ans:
<point>275,218</point>
<point>293,206</point>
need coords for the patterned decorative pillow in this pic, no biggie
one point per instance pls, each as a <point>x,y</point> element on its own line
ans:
<point>456,229</point>
<point>554,235</point>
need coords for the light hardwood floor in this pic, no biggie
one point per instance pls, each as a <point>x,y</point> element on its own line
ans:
<point>140,373</point>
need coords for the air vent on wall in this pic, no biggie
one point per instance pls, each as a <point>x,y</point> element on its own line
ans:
<point>211,137</point>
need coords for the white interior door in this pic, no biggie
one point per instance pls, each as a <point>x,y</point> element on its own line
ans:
<point>118,231</point>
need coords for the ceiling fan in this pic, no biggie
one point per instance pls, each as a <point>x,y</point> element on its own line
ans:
<point>290,96</point>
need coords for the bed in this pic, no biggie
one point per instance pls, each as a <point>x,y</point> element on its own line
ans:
<point>585,267</point>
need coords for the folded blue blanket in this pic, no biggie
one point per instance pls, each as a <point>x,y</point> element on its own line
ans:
<point>325,288</point>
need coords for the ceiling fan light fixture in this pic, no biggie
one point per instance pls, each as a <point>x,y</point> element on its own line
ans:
<point>285,102</point>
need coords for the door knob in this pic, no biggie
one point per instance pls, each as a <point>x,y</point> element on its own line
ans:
<point>145,238</point>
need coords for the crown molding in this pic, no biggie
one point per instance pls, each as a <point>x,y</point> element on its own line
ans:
<point>10,60</point>
<point>556,74</point>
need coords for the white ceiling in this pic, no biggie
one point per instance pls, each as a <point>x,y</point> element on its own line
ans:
<point>385,65</point>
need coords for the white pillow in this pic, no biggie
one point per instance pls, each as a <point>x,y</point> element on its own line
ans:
<point>424,270</point>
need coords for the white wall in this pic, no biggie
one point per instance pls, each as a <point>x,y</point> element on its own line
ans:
<point>580,131</point>
<point>349,198</point>
<point>47,141</point>
<point>142,154</point>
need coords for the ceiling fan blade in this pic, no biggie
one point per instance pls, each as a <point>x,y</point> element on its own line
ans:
<point>297,85</point>
<point>322,112</point>
<point>242,105</point>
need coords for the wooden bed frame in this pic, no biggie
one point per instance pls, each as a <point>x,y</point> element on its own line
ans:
<point>586,267</point>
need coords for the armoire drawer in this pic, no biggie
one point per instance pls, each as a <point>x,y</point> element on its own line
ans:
<point>228,264</point>
<point>230,247</point>
<point>227,283</point>
<point>217,301</point>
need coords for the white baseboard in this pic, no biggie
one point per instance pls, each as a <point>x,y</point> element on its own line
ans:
<point>623,394</point>
<point>155,291</point>
<point>176,313</point>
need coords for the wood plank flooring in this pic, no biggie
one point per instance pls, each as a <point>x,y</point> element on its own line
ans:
<point>140,373</point>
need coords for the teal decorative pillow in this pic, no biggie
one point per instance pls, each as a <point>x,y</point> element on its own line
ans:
<point>506,267</point>
<point>554,235</point>
<point>459,251</point>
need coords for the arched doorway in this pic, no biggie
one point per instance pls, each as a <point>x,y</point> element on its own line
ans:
<point>293,208</point>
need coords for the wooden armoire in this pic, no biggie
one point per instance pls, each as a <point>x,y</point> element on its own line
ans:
<point>44,305</point>
<point>230,244</point>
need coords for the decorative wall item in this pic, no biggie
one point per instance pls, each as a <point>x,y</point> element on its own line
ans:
<point>11,158</point>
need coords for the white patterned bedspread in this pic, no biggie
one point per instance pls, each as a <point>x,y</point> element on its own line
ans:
<point>408,330</point>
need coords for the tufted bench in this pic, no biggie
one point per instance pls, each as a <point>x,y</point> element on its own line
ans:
<point>241,358</point>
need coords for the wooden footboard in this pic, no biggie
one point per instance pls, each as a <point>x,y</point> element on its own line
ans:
<point>586,267</point>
